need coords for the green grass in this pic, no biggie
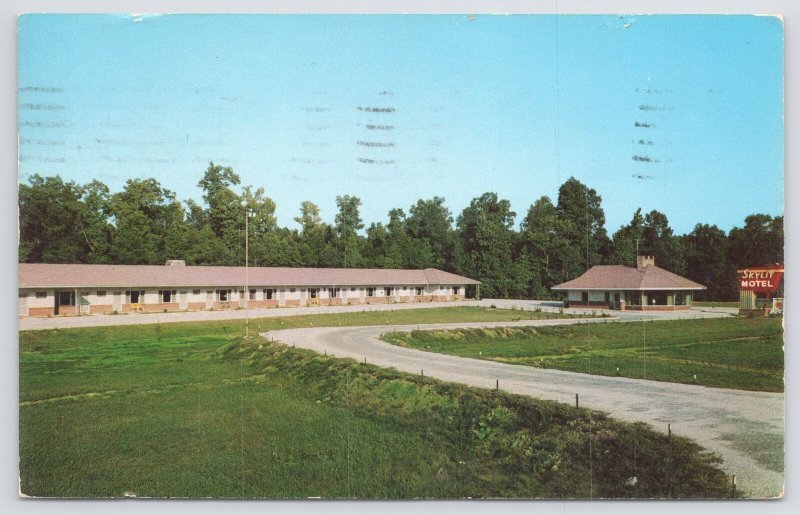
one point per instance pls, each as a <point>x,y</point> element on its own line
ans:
<point>715,304</point>
<point>736,353</point>
<point>197,410</point>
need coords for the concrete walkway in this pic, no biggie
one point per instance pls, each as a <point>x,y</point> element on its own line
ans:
<point>32,324</point>
<point>745,428</point>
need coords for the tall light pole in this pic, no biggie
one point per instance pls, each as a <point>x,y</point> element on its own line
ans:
<point>246,257</point>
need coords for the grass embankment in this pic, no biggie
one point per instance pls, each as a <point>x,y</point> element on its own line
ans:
<point>736,353</point>
<point>196,410</point>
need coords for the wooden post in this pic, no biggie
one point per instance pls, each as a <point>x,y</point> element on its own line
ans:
<point>496,384</point>
<point>576,400</point>
<point>733,487</point>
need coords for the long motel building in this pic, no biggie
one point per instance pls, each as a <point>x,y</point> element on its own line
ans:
<point>76,289</point>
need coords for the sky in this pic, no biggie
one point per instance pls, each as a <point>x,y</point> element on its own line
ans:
<point>683,114</point>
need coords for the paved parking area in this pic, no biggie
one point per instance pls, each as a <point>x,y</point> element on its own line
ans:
<point>30,324</point>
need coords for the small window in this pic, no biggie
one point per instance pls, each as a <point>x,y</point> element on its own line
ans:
<point>313,293</point>
<point>370,292</point>
<point>420,290</point>
<point>292,290</point>
<point>223,295</point>
<point>389,291</point>
<point>269,294</point>
<point>23,295</point>
<point>253,294</point>
<point>352,289</point>
<point>101,293</point>
<point>608,296</point>
<point>455,290</point>
<point>333,292</point>
<point>195,292</point>
<point>167,296</point>
<point>41,294</point>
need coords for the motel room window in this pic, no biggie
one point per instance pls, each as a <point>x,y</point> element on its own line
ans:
<point>166,296</point>
<point>101,293</point>
<point>252,294</point>
<point>389,291</point>
<point>313,293</point>
<point>224,295</point>
<point>333,292</point>
<point>370,292</point>
<point>195,292</point>
<point>66,298</point>
<point>292,290</point>
<point>420,290</point>
<point>608,296</point>
<point>23,295</point>
<point>680,298</point>
<point>269,294</point>
<point>135,296</point>
<point>455,290</point>
<point>352,289</point>
<point>41,294</point>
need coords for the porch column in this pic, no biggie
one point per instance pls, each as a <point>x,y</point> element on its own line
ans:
<point>478,292</point>
<point>77,303</point>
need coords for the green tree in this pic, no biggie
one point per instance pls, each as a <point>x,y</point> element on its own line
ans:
<point>580,207</point>
<point>759,242</point>
<point>430,225</point>
<point>147,217</point>
<point>628,240</point>
<point>62,222</point>
<point>707,262</point>
<point>546,248</point>
<point>660,242</point>
<point>486,244</point>
<point>347,224</point>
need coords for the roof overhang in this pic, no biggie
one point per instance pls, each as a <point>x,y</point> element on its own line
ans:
<point>617,288</point>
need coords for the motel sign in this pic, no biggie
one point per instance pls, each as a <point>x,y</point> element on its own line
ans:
<point>761,279</point>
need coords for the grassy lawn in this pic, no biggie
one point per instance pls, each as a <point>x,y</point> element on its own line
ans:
<point>198,410</point>
<point>737,353</point>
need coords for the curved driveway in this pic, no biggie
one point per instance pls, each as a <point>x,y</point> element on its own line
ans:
<point>746,428</point>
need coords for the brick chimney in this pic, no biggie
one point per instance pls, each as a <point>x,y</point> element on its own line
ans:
<point>643,261</point>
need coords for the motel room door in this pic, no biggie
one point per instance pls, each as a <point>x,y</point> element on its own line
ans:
<point>616,300</point>
<point>183,298</point>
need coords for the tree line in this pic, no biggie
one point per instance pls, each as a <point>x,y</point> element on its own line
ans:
<point>65,222</point>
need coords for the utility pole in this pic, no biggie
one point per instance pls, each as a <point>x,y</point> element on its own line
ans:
<point>246,257</point>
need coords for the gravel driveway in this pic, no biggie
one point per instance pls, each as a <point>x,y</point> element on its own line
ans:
<point>745,428</point>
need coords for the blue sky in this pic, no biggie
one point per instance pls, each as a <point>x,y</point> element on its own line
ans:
<point>683,114</point>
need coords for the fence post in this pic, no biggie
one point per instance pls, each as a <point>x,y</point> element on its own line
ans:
<point>576,400</point>
<point>733,487</point>
<point>496,384</point>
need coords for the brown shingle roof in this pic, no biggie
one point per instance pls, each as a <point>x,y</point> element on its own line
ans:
<point>618,277</point>
<point>35,275</point>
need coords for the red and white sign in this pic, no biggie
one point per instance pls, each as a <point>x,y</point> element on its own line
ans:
<point>760,279</point>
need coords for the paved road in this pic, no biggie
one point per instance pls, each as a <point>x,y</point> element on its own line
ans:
<point>30,324</point>
<point>746,428</point>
